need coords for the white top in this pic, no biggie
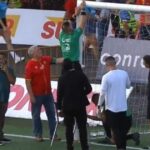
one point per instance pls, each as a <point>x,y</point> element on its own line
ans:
<point>113,90</point>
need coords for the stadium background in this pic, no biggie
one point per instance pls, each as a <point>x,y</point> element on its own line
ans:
<point>137,100</point>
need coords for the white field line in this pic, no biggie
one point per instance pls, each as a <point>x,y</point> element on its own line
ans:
<point>92,143</point>
<point>109,145</point>
<point>23,136</point>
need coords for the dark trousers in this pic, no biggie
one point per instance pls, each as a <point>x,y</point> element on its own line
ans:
<point>128,125</point>
<point>107,129</point>
<point>48,103</point>
<point>3,109</point>
<point>148,108</point>
<point>117,122</point>
<point>81,119</point>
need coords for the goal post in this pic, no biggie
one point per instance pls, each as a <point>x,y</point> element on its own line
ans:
<point>137,8</point>
<point>123,49</point>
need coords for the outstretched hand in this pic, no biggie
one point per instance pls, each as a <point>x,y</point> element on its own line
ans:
<point>83,4</point>
<point>101,115</point>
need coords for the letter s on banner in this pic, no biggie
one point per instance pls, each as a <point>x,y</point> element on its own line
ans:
<point>48,30</point>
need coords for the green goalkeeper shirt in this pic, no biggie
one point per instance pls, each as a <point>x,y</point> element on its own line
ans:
<point>69,43</point>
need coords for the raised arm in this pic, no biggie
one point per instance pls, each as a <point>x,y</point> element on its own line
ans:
<point>82,17</point>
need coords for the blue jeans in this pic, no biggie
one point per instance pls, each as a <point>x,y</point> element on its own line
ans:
<point>48,102</point>
<point>3,109</point>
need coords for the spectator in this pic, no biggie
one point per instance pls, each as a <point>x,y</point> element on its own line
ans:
<point>4,32</point>
<point>146,60</point>
<point>14,3</point>
<point>73,86</point>
<point>36,4</point>
<point>102,25</point>
<point>56,4</point>
<point>128,23</point>
<point>113,92</point>
<point>25,3</point>
<point>7,77</point>
<point>37,75</point>
<point>115,23</point>
<point>90,32</point>
<point>144,29</point>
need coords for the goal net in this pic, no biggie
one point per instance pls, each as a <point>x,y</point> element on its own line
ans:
<point>123,31</point>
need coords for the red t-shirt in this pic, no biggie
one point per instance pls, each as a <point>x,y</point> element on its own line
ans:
<point>39,74</point>
<point>144,17</point>
<point>70,6</point>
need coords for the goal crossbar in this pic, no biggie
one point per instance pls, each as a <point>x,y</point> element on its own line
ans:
<point>131,7</point>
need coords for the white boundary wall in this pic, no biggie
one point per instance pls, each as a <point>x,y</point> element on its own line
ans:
<point>19,101</point>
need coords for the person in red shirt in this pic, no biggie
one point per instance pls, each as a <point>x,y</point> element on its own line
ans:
<point>144,28</point>
<point>70,6</point>
<point>37,75</point>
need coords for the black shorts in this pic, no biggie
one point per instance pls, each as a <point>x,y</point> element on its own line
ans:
<point>117,123</point>
<point>116,119</point>
<point>4,22</point>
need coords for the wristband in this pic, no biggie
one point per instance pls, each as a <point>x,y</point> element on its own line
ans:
<point>83,13</point>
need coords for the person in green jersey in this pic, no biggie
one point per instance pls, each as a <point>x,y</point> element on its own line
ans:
<point>69,37</point>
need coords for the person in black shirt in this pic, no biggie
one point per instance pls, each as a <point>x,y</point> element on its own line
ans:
<point>72,90</point>
<point>146,60</point>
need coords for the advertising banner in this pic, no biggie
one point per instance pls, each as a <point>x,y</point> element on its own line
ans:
<point>129,54</point>
<point>19,100</point>
<point>20,107</point>
<point>34,27</point>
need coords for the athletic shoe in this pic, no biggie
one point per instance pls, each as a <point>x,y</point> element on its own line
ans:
<point>39,139</point>
<point>146,147</point>
<point>106,140</point>
<point>136,138</point>
<point>1,143</point>
<point>56,138</point>
<point>76,141</point>
<point>6,140</point>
